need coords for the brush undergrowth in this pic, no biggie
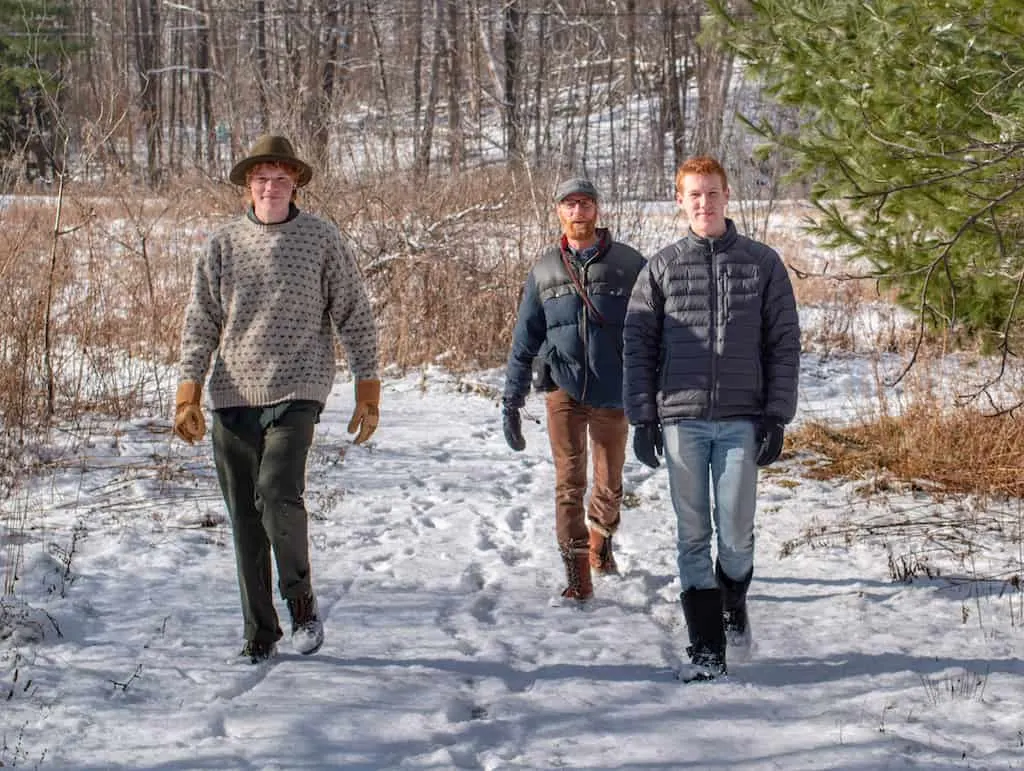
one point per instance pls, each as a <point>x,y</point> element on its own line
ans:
<point>953,451</point>
<point>91,307</point>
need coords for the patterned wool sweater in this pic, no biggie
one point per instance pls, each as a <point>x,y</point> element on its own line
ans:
<point>265,301</point>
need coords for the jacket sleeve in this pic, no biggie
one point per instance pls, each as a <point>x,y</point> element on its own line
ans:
<point>641,351</point>
<point>780,351</point>
<point>527,338</point>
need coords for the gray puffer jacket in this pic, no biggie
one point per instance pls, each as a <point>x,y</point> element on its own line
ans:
<point>583,351</point>
<point>712,333</point>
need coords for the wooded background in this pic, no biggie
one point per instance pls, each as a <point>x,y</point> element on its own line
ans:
<point>435,125</point>
<point>149,88</point>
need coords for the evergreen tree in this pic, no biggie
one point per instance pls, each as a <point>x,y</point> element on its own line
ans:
<point>32,58</point>
<point>912,126</point>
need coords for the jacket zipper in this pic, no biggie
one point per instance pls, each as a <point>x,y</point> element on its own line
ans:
<point>586,331</point>
<point>713,401</point>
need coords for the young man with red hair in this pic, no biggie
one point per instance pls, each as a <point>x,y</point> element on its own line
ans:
<point>712,358</point>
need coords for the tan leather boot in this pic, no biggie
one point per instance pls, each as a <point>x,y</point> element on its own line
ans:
<point>602,559</point>
<point>576,556</point>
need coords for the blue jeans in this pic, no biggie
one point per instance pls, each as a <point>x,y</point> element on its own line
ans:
<point>718,458</point>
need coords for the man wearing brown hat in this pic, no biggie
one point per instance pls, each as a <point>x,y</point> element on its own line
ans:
<point>271,290</point>
<point>570,319</point>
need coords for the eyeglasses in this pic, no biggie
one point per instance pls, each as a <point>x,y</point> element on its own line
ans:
<point>261,180</point>
<point>583,203</point>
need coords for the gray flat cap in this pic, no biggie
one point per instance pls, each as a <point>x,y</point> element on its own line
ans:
<point>580,185</point>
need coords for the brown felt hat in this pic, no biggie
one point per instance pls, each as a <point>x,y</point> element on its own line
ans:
<point>270,148</point>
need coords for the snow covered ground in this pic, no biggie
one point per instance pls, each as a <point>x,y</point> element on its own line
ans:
<point>435,563</point>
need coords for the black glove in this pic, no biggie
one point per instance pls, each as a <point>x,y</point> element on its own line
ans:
<point>647,443</point>
<point>512,425</point>
<point>769,440</point>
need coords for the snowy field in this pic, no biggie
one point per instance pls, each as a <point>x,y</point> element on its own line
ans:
<point>435,564</point>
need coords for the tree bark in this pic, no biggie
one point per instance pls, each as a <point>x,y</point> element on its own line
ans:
<point>514,18</point>
<point>146,21</point>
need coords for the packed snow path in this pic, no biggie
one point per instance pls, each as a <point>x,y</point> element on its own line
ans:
<point>435,565</point>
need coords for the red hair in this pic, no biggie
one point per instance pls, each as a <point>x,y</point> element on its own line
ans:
<point>700,164</point>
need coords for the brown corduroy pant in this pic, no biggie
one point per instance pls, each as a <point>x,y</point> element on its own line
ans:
<point>568,425</point>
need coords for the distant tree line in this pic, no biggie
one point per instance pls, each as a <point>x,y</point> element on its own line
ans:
<point>903,122</point>
<point>147,88</point>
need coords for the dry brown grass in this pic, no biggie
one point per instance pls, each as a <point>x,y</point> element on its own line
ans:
<point>444,262</point>
<point>941,451</point>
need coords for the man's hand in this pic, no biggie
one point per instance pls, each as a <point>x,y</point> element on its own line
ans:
<point>512,425</point>
<point>189,423</point>
<point>648,445</point>
<point>366,414</point>
<point>770,434</point>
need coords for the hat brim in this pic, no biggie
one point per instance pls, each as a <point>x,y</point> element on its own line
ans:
<point>237,175</point>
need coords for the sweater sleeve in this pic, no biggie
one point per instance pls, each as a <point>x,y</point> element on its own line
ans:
<point>349,307</point>
<point>201,330</point>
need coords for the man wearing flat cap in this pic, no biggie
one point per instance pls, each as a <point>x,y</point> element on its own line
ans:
<point>570,320</point>
<point>269,294</point>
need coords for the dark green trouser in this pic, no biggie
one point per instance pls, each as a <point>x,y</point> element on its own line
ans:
<point>260,453</point>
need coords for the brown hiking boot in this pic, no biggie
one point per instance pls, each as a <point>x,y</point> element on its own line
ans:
<point>602,559</point>
<point>577,571</point>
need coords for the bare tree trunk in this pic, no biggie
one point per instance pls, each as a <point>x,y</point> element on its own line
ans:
<point>674,99</point>
<point>612,146</point>
<point>146,21</point>
<point>631,52</point>
<point>714,73</point>
<point>323,96</point>
<point>176,98</point>
<point>422,163</point>
<point>262,65</point>
<point>588,101</point>
<point>514,22</point>
<point>538,92</point>
<point>204,107</point>
<point>48,310</point>
<point>417,77</point>
<point>382,81</point>
<point>456,141</point>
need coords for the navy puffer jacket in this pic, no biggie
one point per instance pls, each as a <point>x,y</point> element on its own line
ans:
<point>712,333</point>
<point>583,351</point>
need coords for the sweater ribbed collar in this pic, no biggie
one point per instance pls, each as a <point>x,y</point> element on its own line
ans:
<point>293,212</point>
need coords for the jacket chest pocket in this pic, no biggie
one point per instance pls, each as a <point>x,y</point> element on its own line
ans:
<point>739,290</point>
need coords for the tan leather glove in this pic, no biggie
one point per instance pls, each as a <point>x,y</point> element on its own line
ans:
<point>189,422</point>
<point>367,413</point>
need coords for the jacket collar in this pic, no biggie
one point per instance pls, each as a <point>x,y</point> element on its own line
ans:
<point>604,243</point>
<point>724,241</point>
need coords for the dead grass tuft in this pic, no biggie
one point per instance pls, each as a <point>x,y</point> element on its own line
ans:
<point>445,260</point>
<point>951,451</point>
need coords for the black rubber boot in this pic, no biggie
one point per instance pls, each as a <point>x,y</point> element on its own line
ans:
<point>734,607</point>
<point>702,609</point>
